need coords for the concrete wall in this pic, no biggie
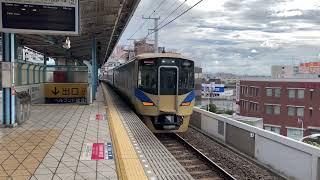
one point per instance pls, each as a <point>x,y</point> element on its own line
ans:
<point>294,159</point>
<point>240,139</point>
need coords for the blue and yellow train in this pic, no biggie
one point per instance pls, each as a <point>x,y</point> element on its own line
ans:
<point>160,86</point>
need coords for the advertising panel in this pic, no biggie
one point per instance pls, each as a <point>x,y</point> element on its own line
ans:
<point>212,90</point>
<point>309,68</point>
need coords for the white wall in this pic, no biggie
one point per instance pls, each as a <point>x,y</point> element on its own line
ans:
<point>292,158</point>
<point>210,126</point>
<point>285,159</point>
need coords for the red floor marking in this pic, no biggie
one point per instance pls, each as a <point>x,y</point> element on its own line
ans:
<point>97,151</point>
<point>99,117</point>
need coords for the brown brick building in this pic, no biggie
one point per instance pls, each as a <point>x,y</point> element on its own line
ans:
<point>281,103</point>
<point>142,46</point>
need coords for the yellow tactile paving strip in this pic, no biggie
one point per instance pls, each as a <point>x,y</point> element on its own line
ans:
<point>128,163</point>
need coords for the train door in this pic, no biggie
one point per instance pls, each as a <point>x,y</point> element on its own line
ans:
<point>168,88</point>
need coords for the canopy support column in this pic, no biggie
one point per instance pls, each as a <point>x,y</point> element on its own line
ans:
<point>8,80</point>
<point>94,67</point>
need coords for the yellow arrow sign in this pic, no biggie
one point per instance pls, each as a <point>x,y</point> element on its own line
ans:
<point>65,90</point>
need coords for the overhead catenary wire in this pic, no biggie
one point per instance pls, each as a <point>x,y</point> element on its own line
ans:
<point>144,22</point>
<point>173,11</point>
<point>174,18</point>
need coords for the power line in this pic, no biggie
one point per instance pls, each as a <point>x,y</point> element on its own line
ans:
<point>175,18</point>
<point>144,22</point>
<point>172,12</point>
<point>160,4</point>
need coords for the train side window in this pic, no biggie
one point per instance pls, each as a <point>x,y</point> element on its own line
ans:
<point>186,76</point>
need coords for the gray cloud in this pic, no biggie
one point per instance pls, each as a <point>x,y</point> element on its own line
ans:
<point>223,39</point>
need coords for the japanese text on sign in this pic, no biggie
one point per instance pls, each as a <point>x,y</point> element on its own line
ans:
<point>65,90</point>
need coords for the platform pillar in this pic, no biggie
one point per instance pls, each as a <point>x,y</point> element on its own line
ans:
<point>89,96</point>
<point>8,80</point>
<point>94,67</point>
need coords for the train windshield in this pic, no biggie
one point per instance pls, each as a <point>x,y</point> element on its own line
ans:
<point>148,76</point>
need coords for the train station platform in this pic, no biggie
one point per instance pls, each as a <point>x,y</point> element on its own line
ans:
<point>59,142</point>
<point>139,154</point>
<point>104,140</point>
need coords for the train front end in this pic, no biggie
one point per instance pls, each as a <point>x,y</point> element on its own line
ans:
<point>165,93</point>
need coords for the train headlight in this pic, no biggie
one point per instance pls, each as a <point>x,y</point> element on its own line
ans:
<point>185,104</point>
<point>148,103</point>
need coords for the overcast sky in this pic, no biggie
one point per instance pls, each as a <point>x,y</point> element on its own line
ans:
<point>236,36</point>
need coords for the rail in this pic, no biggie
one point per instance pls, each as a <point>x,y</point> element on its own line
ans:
<point>205,167</point>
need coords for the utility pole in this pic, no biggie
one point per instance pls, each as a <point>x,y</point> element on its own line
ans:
<point>155,30</point>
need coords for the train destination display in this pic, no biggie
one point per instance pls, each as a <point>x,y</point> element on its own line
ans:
<point>40,16</point>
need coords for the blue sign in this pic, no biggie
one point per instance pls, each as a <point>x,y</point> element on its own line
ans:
<point>218,89</point>
<point>108,151</point>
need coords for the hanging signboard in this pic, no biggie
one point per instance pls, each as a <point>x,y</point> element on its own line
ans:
<point>66,93</point>
<point>238,92</point>
<point>60,17</point>
<point>30,55</point>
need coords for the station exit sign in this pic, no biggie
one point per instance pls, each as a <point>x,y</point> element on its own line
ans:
<point>57,17</point>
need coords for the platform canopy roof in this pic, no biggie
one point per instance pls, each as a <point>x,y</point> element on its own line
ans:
<point>104,19</point>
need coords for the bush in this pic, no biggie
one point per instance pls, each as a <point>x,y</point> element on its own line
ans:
<point>313,143</point>
<point>213,108</point>
<point>230,112</point>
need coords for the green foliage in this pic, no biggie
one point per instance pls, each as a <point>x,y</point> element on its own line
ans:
<point>313,143</point>
<point>230,112</point>
<point>213,108</point>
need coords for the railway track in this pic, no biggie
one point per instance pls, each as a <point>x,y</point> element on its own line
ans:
<point>196,163</point>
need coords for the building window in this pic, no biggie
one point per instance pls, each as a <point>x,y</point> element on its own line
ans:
<point>273,109</point>
<point>300,111</point>
<point>277,92</point>
<point>257,92</point>
<point>269,109</point>
<point>300,93</point>
<point>276,110</point>
<point>272,129</point>
<point>292,93</point>
<point>294,133</point>
<point>269,91</point>
<point>291,111</point>
<point>253,106</point>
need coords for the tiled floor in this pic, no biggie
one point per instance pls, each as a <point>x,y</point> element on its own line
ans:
<point>52,143</point>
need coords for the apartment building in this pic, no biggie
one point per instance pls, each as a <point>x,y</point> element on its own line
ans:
<point>286,105</point>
